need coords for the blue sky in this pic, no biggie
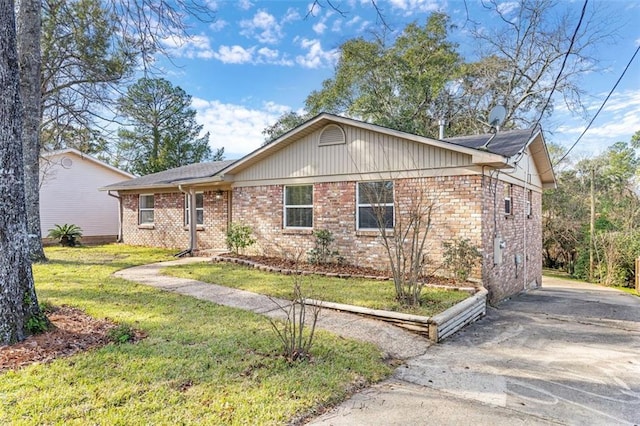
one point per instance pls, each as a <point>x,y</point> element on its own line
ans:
<point>262,58</point>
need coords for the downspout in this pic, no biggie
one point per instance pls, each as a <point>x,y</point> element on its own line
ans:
<point>193,226</point>
<point>119,237</point>
<point>524,231</point>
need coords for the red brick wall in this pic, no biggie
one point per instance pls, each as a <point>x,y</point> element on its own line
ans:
<point>522,236</point>
<point>168,229</point>
<point>456,213</point>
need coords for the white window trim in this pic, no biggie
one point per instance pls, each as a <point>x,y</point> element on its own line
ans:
<point>187,201</point>
<point>508,198</point>
<point>358,205</point>
<point>528,202</point>
<point>297,206</point>
<point>141,209</point>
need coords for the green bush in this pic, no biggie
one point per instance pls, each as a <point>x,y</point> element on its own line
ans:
<point>460,256</point>
<point>37,323</point>
<point>239,237</point>
<point>322,252</point>
<point>67,234</point>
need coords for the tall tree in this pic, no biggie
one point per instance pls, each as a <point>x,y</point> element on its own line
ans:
<point>397,85</point>
<point>18,302</point>
<point>531,58</point>
<point>28,45</point>
<point>163,132</point>
<point>85,59</point>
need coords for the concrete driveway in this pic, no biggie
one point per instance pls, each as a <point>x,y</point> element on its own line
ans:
<point>568,353</point>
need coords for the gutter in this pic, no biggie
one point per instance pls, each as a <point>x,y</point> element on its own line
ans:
<point>119,238</point>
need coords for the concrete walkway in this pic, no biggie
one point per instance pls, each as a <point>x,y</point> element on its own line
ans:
<point>568,353</point>
<point>395,342</point>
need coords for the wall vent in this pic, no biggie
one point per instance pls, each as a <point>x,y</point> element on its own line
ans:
<point>332,134</point>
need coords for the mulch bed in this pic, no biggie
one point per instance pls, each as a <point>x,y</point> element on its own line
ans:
<point>72,331</point>
<point>290,266</point>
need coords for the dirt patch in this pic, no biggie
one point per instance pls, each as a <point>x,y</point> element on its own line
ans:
<point>72,331</point>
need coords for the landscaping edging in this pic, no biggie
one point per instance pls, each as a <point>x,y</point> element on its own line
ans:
<point>437,327</point>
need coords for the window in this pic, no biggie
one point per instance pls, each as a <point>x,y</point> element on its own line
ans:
<point>375,204</point>
<point>508,204</point>
<point>298,206</point>
<point>145,209</point>
<point>528,203</point>
<point>199,208</point>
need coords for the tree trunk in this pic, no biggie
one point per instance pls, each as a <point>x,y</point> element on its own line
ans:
<point>18,300</point>
<point>28,22</point>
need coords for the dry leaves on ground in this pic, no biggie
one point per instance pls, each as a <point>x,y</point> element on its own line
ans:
<point>72,331</point>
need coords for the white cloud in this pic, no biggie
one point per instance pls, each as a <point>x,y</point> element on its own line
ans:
<point>291,16</point>
<point>237,128</point>
<point>618,121</point>
<point>319,27</point>
<point>197,46</point>
<point>316,57</point>
<point>245,4</point>
<point>410,7</point>
<point>218,25</point>
<point>263,27</point>
<point>507,7</point>
<point>234,54</point>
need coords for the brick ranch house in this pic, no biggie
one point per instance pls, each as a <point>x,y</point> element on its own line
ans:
<point>312,178</point>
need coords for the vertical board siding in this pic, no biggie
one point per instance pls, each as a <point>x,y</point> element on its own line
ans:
<point>364,152</point>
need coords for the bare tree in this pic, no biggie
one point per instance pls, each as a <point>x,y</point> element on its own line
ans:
<point>404,231</point>
<point>18,302</point>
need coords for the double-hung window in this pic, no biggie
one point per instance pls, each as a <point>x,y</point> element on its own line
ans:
<point>298,206</point>
<point>528,203</point>
<point>199,208</point>
<point>145,209</point>
<point>375,205</point>
<point>508,199</point>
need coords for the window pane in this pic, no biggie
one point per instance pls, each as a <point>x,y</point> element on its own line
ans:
<point>146,201</point>
<point>299,217</point>
<point>368,217</point>
<point>200,217</point>
<point>299,195</point>
<point>380,192</point>
<point>199,201</point>
<point>146,216</point>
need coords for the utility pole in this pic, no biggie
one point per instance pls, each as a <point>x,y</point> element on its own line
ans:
<point>592,224</point>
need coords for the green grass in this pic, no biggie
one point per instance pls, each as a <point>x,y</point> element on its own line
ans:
<point>200,364</point>
<point>354,291</point>
<point>629,290</point>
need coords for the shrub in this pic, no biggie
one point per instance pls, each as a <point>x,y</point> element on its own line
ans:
<point>322,253</point>
<point>295,332</point>
<point>67,234</point>
<point>38,323</point>
<point>460,256</point>
<point>239,237</point>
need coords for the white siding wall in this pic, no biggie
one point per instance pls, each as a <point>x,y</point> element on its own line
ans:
<point>70,195</point>
<point>364,152</point>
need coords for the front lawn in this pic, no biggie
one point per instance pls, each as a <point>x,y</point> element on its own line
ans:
<point>372,294</point>
<point>199,364</point>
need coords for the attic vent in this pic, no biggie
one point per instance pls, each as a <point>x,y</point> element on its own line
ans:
<point>66,162</point>
<point>331,135</point>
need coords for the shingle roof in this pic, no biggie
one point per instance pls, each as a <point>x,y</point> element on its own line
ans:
<point>167,177</point>
<point>506,143</point>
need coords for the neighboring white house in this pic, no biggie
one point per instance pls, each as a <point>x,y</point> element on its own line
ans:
<point>69,182</point>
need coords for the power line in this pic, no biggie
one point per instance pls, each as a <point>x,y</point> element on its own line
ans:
<point>564,62</point>
<point>601,106</point>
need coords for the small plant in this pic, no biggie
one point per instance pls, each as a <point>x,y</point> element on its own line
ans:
<point>121,333</point>
<point>460,256</point>
<point>322,252</point>
<point>294,332</point>
<point>239,237</point>
<point>67,234</point>
<point>38,323</point>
